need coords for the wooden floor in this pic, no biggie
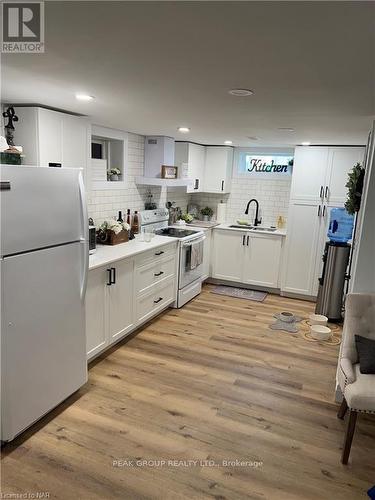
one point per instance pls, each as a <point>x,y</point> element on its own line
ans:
<point>207,383</point>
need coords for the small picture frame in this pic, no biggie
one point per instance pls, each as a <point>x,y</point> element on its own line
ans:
<point>168,172</point>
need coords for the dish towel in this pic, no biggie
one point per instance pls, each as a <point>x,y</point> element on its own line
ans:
<point>196,254</point>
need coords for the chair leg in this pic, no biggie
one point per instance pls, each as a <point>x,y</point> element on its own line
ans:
<point>343,409</point>
<point>349,436</point>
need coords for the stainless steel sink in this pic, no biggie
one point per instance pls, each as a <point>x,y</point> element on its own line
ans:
<point>241,226</point>
<point>269,229</point>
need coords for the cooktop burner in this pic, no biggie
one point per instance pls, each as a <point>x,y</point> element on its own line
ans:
<point>175,232</point>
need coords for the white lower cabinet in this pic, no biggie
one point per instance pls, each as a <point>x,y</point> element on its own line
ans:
<point>126,293</point>
<point>246,257</point>
<point>227,255</point>
<point>120,300</point>
<point>96,314</point>
<point>154,301</point>
<point>262,261</point>
<point>301,248</point>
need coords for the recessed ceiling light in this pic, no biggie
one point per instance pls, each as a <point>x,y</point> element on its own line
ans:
<point>286,129</point>
<point>240,92</point>
<point>84,97</point>
<point>184,130</point>
<point>228,142</point>
<point>305,143</point>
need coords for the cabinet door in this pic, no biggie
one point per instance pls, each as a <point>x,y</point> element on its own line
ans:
<point>120,303</point>
<point>262,260</point>
<point>196,165</point>
<point>75,142</point>
<point>207,254</point>
<point>309,173</point>
<point>50,137</point>
<point>227,255</point>
<point>341,161</point>
<point>218,169</point>
<point>96,317</point>
<point>322,239</point>
<point>301,248</point>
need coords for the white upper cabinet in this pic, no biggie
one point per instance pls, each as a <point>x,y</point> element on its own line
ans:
<point>340,161</point>
<point>209,167</point>
<point>190,159</point>
<point>50,128</point>
<point>320,173</point>
<point>309,173</point>
<point>218,169</point>
<point>75,141</point>
<point>49,137</point>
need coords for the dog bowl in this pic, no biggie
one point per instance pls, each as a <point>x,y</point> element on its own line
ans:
<point>287,317</point>
<point>318,319</point>
<point>320,332</point>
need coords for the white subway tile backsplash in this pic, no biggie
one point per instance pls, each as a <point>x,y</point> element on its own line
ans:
<point>273,196</point>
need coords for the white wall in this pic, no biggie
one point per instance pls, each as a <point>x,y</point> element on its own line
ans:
<point>105,204</point>
<point>273,195</point>
<point>363,279</point>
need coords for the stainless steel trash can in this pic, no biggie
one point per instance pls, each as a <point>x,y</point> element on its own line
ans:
<point>332,282</point>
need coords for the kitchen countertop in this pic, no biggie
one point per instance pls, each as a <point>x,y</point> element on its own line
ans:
<point>105,254</point>
<point>278,232</point>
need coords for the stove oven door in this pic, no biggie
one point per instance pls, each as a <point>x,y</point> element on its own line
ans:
<point>191,261</point>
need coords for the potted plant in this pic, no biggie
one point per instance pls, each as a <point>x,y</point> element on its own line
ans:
<point>207,213</point>
<point>113,174</point>
<point>113,232</point>
<point>355,188</point>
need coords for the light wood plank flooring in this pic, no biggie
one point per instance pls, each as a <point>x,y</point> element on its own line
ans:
<point>210,383</point>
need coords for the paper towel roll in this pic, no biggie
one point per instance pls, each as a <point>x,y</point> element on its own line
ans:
<point>221,212</point>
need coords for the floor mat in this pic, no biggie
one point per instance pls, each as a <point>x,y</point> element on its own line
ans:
<point>288,326</point>
<point>240,293</point>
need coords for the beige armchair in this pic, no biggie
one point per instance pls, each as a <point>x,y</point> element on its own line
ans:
<point>358,389</point>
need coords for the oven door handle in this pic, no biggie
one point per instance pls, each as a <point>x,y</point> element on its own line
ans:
<point>197,240</point>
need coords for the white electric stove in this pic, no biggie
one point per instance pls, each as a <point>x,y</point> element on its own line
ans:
<point>190,250</point>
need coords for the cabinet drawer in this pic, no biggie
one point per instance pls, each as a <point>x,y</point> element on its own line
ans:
<point>153,273</point>
<point>155,255</point>
<point>151,303</point>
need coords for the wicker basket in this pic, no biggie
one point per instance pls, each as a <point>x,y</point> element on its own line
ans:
<point>114,239</point>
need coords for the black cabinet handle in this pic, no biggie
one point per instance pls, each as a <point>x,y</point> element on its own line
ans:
<point>222,185</point>
<point>159,253</point>
<point>196,184</point>
<point>247,240</point>
<point>243,240</point>
<point>158,300</point>
<point>321,192</point>
<point>324,211</point>
<point>159,273</point>
<point>109,282</point>
<point>113,276</point>
<point>327,193</point>
<point>319,209</point>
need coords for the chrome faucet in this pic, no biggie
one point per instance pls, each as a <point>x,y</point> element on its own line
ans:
<point>256,220</point>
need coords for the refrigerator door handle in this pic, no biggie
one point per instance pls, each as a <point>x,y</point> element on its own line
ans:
<point>84,237</point>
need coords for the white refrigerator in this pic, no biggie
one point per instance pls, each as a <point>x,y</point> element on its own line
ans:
<point>44,266</point>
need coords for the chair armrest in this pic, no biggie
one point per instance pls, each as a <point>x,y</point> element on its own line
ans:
<point>346,367</point>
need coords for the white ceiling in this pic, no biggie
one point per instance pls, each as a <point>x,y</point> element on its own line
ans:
<point>155,66</point>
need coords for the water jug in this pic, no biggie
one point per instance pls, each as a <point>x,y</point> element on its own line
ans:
<point>340,226</point>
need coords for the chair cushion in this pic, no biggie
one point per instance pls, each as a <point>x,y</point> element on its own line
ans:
<point>360,395</point>
<point>366,354</point>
